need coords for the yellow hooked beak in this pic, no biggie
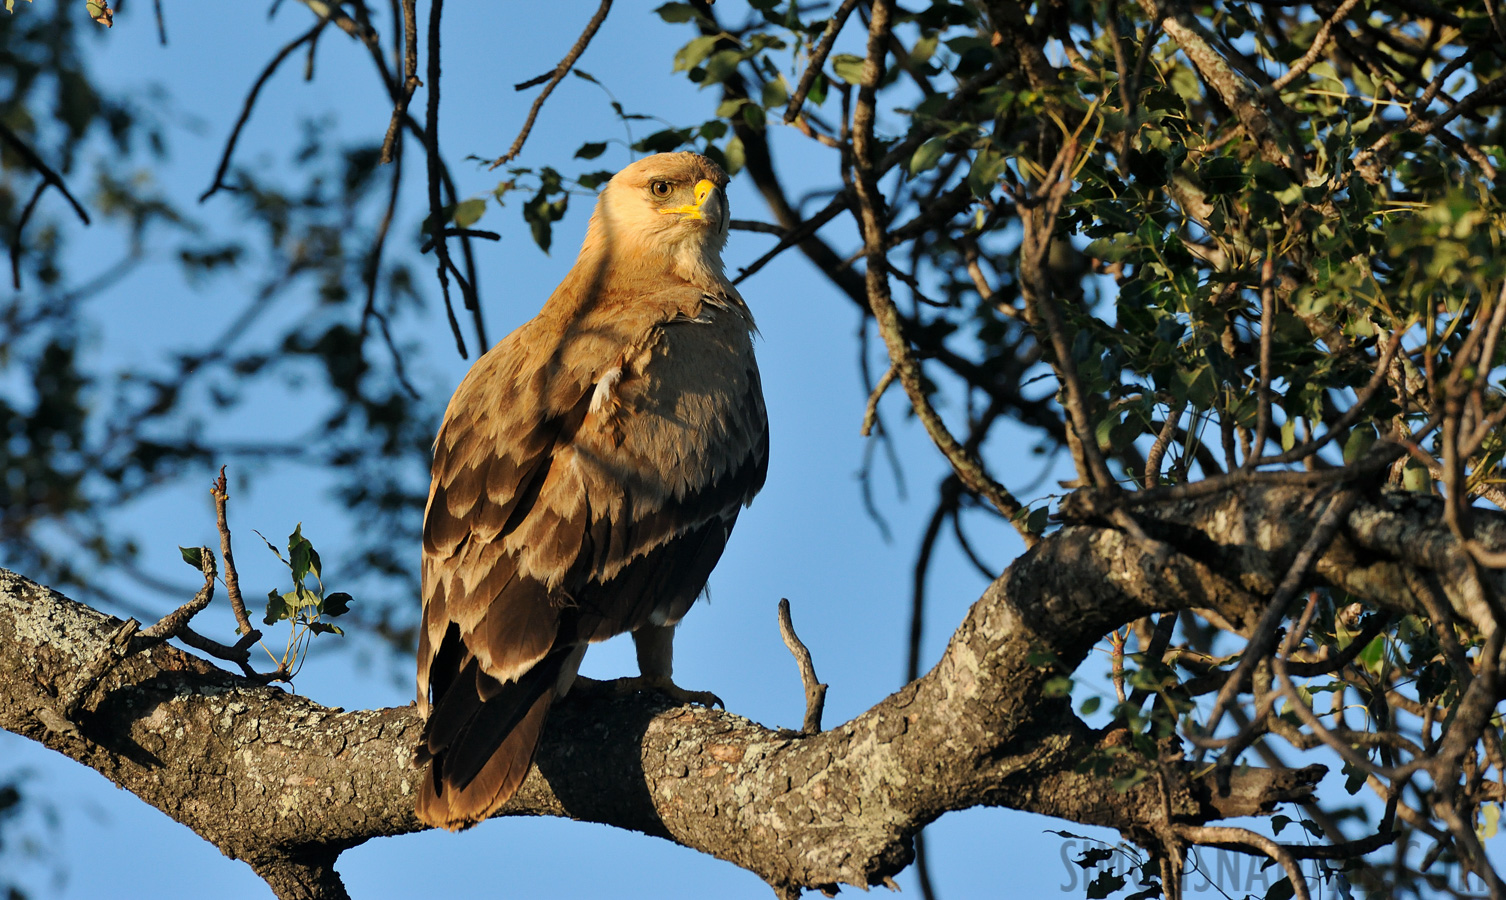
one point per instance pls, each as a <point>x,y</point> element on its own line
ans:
<point>703,191</point>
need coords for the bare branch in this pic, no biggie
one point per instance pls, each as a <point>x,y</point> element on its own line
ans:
<point>1264,638</point>
<point>1267,337</point>
<point>249,634</point>
<point>1242,838</point>
<point>966,464</point>
<point>436,206</point>
<point>560,71</point>
<point>815,691</point>
<point>250,103</point>
<point>1314,53</point>
<point>1152,475</point>
<point>818,58</point>
<point>410,79</point>
<point>870,413</point>
<point>49,177</point>
<point>1351,415</point>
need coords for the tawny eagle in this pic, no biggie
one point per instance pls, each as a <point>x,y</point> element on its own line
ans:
<point>587,474</point>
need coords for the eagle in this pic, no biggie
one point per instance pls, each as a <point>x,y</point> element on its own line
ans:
<point>586,476</point>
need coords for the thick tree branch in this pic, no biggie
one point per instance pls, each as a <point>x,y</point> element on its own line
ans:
<point>286,784</point>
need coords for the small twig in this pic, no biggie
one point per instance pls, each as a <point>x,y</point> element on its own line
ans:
<point>818,58</point>
<point>815,692</point>
<point>130,638</point>
<point>245,116</point>
<point>1351,415</point>
<point>1314,53</point>
<point>1224,836</point>
<point>1163,440</point>
<point>966,464</point>
<point>1263,639</point>
<point>372,273</point>
<point>29,155</point>
<point>462,232</point>
<point>436,207</point>
<point>870,414</point>
<point>1267,327</point>
<point>161,23</point>
<point>48,177</point>
<point>232,581</point>
<point>794,236</point>
<point>411,81</point>
<point>560,71</point>
<point>169,625</point>
<point>753,225</point>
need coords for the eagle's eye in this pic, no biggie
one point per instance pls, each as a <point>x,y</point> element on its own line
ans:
<point>661,188</point>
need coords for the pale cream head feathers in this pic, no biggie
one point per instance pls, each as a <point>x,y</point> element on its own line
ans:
<point>667,211</point>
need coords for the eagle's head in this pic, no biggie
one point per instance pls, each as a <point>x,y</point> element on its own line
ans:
<point>670,207</point>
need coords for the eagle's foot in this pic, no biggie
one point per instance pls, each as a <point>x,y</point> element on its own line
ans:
<point>664,685</point>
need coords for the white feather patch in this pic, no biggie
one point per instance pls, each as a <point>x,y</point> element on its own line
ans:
<point>603,393</point>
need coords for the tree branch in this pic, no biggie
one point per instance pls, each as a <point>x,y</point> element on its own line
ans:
<point>286,784</point>
<point>555,77</point>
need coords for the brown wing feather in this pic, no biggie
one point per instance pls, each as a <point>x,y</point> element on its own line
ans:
<point>555,520</point>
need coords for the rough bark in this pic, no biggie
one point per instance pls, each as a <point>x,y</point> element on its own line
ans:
<point>286,784</point>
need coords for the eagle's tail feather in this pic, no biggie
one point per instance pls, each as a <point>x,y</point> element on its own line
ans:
<point>480,741</point>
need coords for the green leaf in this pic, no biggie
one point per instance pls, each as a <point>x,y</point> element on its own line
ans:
<point>924,49</point>
<point>676,13</point>
<point>927,155</point>
<point>728,108</point>
<point>1279,822</point>
<point>469,212</point>
<point>1059,686</point>
<point>1281,890</point>
<point>1374,655</point>
<point>1090,706</point>
<point>1107,882</point>
<point>1222,175</point>
<point>275,551</point>
<point>336,604</point>
<point>325,628</point>
<point>847,67</point>
<point>663,141</point>
<point>593,180</point>
<point>754,117</point>
<point>541,213</point>
<point>591,150</point>
<point>1288,434</point>
<point>984,174</point>
<point>1359,443</point>
<point>694,52</point>
<point>277,608</point>
<point>775,93</point>
<point>1490,818</point>
<point>301,598</point>
<point>1124,782</point>
<point>1354,779</point>
<point>735,154</point>
<point>300,555</point>
<point>585,76</point>
<point>721,64</point>
<point>1417,478</point>
<point>194,556</point>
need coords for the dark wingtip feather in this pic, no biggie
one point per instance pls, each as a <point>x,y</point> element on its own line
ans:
<point>443,805</point>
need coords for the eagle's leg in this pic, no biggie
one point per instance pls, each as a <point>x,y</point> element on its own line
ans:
<point>655,645</point>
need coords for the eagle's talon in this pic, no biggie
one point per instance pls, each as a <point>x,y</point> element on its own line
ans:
<point>668,688</point>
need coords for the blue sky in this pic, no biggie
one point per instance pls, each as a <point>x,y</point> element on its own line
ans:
<point>806,538</point>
